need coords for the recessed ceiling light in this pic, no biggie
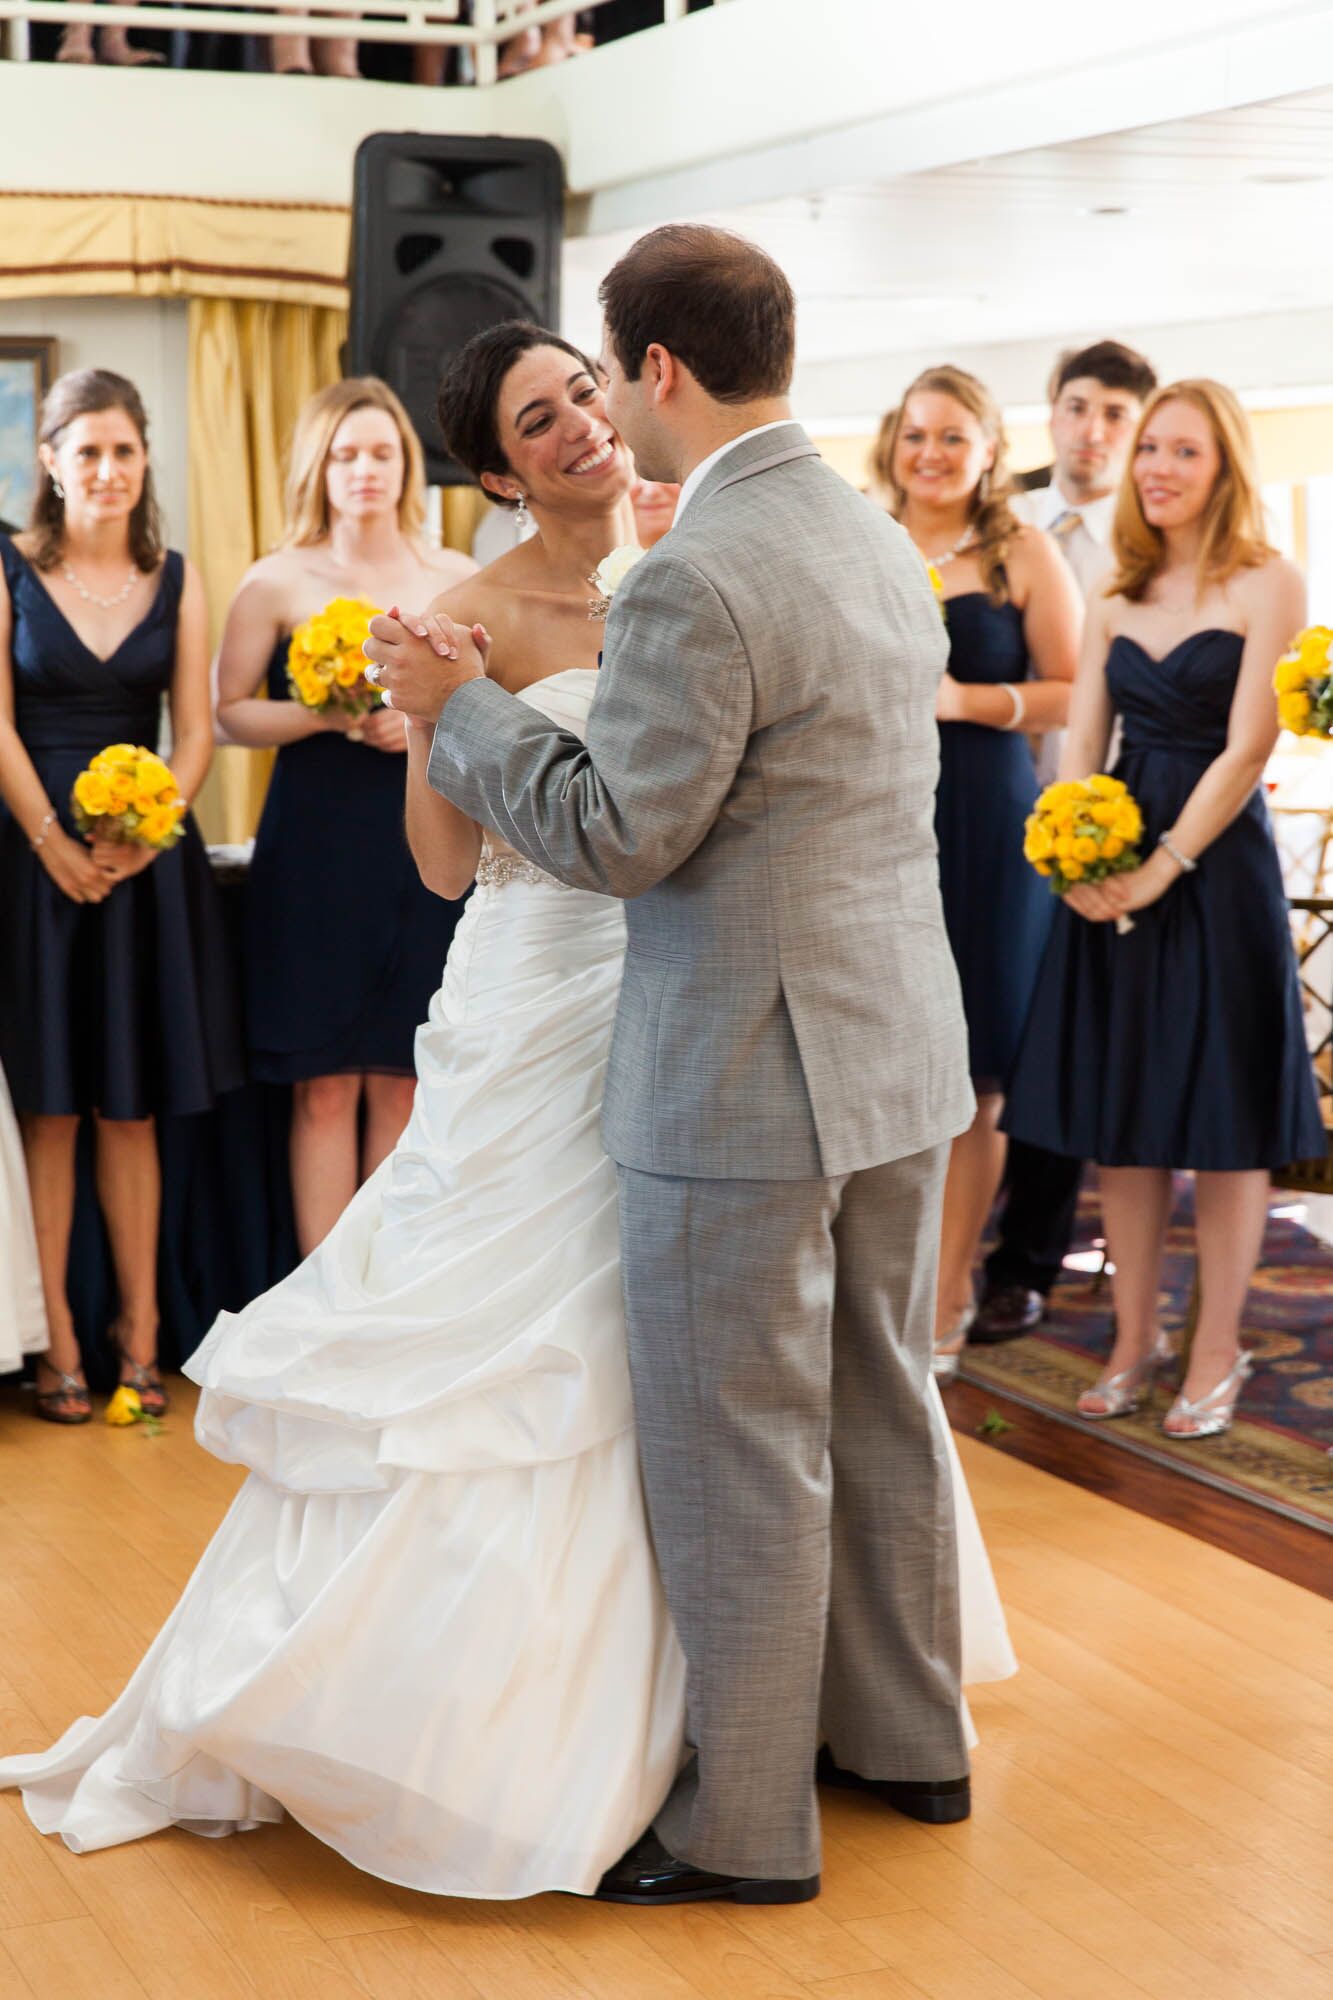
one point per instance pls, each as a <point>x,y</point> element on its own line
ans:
<point>1110,208</point>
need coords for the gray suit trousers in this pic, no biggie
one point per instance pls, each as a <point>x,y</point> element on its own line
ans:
<point>798,1489</point>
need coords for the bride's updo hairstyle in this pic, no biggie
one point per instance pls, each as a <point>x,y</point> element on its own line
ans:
<point>993,520</point>
<point>1232,533</point>
<point>470,394</point>
<point>87,392</point>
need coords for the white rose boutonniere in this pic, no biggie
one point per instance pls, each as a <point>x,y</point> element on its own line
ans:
<point>608,576</point>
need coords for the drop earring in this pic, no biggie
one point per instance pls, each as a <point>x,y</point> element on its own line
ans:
<point>522,518</point>
<point>58,488</point>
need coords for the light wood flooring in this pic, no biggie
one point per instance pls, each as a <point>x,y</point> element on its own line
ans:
<point>1153,1816</point>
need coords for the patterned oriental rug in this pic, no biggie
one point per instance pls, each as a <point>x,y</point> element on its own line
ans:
<point>1277,1452</point>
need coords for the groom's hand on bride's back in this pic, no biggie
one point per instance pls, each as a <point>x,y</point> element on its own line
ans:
<point>418,659</point>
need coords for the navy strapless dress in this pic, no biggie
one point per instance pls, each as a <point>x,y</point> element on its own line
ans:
<point>997,910</point>
<point>344,947</point>
<point>128,1006</point>
<point>1180,1044</point>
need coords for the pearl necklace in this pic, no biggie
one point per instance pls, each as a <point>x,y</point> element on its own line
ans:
<point>91,597</point>
<point>938,562</point>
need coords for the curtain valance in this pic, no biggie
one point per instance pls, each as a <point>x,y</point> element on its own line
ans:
<point>152,246</point>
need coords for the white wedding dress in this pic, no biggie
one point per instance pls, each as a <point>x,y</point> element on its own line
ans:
<point>22,1309</point>
<point>430,1626</point>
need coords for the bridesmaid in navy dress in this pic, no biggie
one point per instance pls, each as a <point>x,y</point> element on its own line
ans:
<point>115,987</point>
<point>344,947</point>
<point>1181,1044</point>
<point>1013,614</point>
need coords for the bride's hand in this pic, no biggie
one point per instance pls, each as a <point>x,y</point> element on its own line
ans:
<point>420,660</point>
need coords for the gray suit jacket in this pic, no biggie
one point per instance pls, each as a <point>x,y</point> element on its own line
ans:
<point>758,784</point>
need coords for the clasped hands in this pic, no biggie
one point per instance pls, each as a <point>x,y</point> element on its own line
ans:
<point>1121,895</point>
<point>417,660</point>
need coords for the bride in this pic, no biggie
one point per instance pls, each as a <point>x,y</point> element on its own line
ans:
<point>430,1626</point>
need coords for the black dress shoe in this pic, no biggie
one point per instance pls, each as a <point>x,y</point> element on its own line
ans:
<point>1007,1314</point>
<point>938,1803</point>
<point>648,1874</point>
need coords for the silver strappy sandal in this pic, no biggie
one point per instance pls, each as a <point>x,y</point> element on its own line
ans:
<point>1209,1415</point>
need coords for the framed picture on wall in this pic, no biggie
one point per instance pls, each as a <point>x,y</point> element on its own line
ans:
<point>27,370</point>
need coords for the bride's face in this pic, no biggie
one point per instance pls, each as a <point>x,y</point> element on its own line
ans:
<point>562,452</point>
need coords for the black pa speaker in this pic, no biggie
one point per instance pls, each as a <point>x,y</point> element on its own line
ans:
<point>448,236</point>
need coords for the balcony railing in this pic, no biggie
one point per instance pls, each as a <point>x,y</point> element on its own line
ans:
<point>489,25</point>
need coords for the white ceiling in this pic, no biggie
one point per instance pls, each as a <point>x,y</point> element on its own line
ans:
<point>1213,218</point>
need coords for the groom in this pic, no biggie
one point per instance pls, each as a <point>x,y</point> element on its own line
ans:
<point>788,1067</point>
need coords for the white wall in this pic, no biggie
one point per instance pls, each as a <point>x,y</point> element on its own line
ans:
<point>143,338</point>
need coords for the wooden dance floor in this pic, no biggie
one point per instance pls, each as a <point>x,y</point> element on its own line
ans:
<point>1154,1792</point>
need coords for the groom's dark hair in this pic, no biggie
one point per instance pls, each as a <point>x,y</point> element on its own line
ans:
<point>714,300</point>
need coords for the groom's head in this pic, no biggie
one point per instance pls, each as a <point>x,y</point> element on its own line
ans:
<point>700,335</point>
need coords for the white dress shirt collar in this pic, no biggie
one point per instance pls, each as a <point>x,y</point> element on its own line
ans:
<point>705,465</point>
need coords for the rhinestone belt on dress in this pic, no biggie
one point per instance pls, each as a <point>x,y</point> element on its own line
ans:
<point>494,870</point>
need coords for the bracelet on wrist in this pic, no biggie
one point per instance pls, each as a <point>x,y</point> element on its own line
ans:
<point>1182,861</point>
<point>1020,707</point>
<point>38,839</point>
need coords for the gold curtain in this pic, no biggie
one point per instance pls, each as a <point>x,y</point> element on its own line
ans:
<point>253,363</point>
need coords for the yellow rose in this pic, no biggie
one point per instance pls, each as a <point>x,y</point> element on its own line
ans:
<point>1042,867</point>
<point>1112,847</point>
<point>1105,787</point>
<point>321,636</point>
<point>1086,849</point>
<point>158,825</point>
<point>1103,813</point>
<point>144,803</point>
<point>1291,675</point>
<point>1038,844</point>
<point>1072,871</point>
<point>1064,846</point>
<point>1128,822</point>
<point>121,755</point>
<point>91,792</point>
<point>348,670</point>
<point>124,1407</point>
<point>121,788</point>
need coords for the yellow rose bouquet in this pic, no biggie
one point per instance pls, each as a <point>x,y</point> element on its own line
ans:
<point>1303,683</point>
<point>1082,831</point>
<point>128,794</point>
<point>326,667</point>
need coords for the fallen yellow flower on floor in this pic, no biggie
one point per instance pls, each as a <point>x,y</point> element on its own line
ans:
<point>124,1407</point>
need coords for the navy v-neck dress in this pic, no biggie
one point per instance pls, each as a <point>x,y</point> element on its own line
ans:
<point>996,909</point>
<point>1180,1044</point>
<point>128,1006</point>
